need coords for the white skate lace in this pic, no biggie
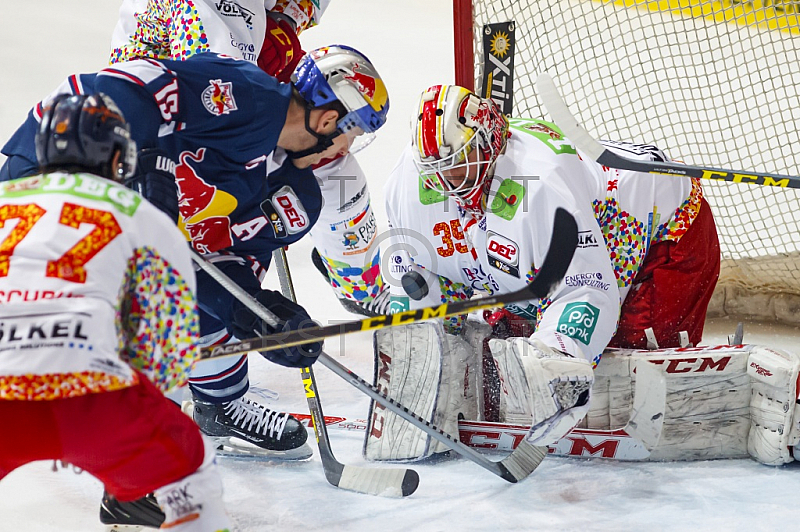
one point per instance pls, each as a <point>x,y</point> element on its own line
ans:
<point>251,416</point>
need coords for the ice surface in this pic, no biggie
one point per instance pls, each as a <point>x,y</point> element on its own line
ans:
<point>410,41</point>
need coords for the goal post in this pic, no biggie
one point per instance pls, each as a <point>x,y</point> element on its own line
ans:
<point>712,82</point>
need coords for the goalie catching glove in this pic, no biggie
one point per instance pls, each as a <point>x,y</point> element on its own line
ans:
<point>541,386</point>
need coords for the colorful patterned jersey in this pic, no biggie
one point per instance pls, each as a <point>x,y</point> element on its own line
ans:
<point>620,214</point>
<point>94,281</point>
<point>178,29</point>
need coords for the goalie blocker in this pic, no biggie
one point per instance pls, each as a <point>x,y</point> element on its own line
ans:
<point>717,402</point>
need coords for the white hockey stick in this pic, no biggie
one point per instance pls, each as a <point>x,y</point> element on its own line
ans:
<point>385,482</point>
<point>564,119</point>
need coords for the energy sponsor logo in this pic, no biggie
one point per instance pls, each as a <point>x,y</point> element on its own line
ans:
<point>370,85</point>
<point>503,253</point>
<point>578,321</point>
<point>247,50</point>
<point>592,280</point>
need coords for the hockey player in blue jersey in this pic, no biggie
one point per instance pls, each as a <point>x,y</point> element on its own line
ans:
<point>215,128</point>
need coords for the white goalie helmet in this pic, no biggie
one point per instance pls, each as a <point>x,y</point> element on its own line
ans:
<point>457,139</point>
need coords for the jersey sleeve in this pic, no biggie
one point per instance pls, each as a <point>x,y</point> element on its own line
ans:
<point>158,318</point>
<point>346,234</point>
<point>581,314</point>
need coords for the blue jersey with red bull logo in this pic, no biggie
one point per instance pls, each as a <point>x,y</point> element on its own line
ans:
<point>217,119</point>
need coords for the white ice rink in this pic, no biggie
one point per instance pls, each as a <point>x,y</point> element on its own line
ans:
<point>410,42</point>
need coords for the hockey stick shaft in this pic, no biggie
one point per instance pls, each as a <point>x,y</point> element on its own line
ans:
<point>513,468</point>
<point>373,481</point>
<point>559,255</point>
<point>563,117</point>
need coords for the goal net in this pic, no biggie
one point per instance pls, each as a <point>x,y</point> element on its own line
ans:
<point>712,83</point>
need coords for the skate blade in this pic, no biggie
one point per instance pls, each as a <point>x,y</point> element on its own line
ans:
<point>236,449</point>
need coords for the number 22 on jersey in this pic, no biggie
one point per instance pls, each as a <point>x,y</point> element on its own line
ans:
<point>70,266</point>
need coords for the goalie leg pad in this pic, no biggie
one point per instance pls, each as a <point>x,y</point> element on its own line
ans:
<point>774,412</point>
<point>549,388</point>
<point>435,375</point>
<point>721,401</point>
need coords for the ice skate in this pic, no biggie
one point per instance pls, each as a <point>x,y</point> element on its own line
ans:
<point>141,514</point>
<point>247,430</point>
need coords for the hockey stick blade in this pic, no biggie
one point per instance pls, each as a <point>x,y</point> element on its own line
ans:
<point>389,482</point>
<point>384,482</point>
<point>563,242</point>
<point>564,119</point>
<point>513,468</point>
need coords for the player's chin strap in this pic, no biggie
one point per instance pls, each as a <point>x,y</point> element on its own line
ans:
<point>323,141</point>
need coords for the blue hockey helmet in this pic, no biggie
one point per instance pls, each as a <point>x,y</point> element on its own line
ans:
<point>83,133</point>
<point>343,74</point>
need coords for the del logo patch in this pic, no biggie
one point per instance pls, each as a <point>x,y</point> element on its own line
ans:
<point>218,97</point>
<point>287,205</point>
<point>578,321</point>
<point>503,253</point>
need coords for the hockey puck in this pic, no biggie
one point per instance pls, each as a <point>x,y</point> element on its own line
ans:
<point>414,285</point>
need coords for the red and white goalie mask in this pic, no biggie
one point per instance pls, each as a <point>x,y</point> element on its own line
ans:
<point>457,139</point>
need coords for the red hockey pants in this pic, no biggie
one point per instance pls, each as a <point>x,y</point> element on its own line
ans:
<point>134,440</point>
<point>672,290</point>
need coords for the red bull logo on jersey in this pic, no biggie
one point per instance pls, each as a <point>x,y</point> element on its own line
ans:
<point>204,209</point>
<point>218,97</point>
<point>369,85</point>
<point>291,211</point>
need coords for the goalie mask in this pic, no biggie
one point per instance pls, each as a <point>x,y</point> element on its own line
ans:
<point>457,139</point>
<point>340,73</point>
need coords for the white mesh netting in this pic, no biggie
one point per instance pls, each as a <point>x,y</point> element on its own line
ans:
<point>708,92</point>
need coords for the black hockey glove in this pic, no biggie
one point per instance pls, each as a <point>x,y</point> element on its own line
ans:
<point>246,324</point>
<point>155,180</point>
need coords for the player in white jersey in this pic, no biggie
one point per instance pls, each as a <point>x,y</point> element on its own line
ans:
<point>99,317</point>
<point>472,202</point>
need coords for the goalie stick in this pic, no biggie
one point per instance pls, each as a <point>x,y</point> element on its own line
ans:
<point>386,482</point>
<point>563,118</point>
<point>526,457</point>
<point>559,255</point>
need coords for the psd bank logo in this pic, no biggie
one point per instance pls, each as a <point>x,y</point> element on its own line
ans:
<point>578,321</point>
